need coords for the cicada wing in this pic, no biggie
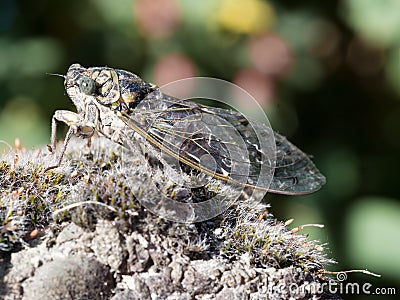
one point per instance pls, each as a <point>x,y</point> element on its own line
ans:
<point>217,142</point>
<point>258,139</point>
<point>295,173</point>
<point>225,145</point>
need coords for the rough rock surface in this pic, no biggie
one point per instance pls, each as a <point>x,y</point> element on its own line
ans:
<point>73,277</point>
<point>75,268</point>
<point>119,250</point>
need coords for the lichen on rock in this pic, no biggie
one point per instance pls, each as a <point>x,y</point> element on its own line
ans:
<point>86,211</point>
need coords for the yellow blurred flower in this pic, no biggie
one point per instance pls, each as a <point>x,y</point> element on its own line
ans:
<point>245,16</point>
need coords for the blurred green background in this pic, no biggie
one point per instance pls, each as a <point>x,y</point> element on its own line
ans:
<point>327,74</point>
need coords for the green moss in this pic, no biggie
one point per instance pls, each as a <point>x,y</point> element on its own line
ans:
<point>94,185</point>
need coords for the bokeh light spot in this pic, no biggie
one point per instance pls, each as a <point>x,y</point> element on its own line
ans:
<point>372,235</point>
<point>172,67</point>
<point>270,54</point>
<point>257,84</point>
<point>157,18</point>
<point>246,16</point>
<point>376,21</point>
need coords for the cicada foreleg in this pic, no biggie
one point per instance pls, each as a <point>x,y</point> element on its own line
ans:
<point>78,126</point>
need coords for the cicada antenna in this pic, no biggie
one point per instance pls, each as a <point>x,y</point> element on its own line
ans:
<point>55,74</point>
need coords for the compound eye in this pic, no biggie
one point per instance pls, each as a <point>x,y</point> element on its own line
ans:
<point>87,85</point>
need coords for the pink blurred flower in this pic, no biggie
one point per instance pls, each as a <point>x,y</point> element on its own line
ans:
<point>270,54</point>
<point>256,84</point>
<point>172,67</point>
<point>157,18</point>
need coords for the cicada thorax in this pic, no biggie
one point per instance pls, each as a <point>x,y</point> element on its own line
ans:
<point>133,89</point>
<point>119,88</point>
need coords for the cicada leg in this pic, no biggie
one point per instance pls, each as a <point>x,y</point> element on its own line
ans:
<point>77,126</point>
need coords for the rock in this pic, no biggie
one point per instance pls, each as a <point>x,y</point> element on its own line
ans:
<point>107,246</point>
<point>75,277</point>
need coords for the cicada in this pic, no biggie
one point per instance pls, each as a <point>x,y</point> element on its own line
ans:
<point>219,143</point>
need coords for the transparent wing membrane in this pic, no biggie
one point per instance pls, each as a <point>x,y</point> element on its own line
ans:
<point>223,144</point>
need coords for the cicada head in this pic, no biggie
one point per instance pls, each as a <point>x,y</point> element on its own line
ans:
<point>109,87</point>
<point>100,84</point>
<point>77,77</point>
